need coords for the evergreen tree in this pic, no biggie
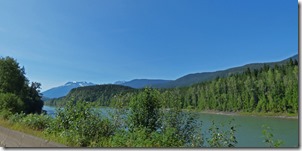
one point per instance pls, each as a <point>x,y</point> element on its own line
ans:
<point>14,85</point>
<point>144,110</point>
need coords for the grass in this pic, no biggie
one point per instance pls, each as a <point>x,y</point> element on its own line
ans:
<point>21,128</point>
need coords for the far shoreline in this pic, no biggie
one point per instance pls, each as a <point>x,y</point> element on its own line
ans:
<point>255,114</point>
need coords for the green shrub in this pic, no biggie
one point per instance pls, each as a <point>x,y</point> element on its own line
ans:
<point>167,138</point>
<point>17,117</point>
<point>144,110</point>
<point>184,125</point>
<point>150,126</point>
<point>5,114</point>
<point>80,124</point>
<point>269,137</point>
<point>220,137</point>
<point>11,103</point>
<point>141,137</point>
<point>36,121</point>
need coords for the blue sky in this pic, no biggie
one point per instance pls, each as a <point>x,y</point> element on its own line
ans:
<point>103,41</point>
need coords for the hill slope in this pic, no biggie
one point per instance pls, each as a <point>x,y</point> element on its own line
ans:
<point>101,94</point>
<point>141,83</point>
<point>194,78</point>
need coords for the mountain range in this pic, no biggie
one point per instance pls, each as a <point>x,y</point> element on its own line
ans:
<point>141,83</point>
<point>190,79</point>
<point>186,80</point>
<point>194,78</point>
<point>63,90</point>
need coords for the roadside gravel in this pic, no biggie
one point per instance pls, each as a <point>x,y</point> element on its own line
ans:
<point>11,138</point>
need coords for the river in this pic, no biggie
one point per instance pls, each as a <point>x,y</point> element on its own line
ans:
<point>249,129</point>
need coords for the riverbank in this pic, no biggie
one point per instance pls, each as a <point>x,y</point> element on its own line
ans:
<point>272,115</point>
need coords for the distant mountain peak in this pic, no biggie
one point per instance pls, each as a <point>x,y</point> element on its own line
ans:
<point>120,82</point>
<point>79,83</point>
<point>63,90</point>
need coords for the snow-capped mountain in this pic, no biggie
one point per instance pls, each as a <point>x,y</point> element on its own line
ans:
<point>63,90</point>
<point>120,82</point>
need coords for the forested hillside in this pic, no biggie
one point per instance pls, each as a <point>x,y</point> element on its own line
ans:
<point>99,94</point>
<point>268,89</point>
<point>265,90</point>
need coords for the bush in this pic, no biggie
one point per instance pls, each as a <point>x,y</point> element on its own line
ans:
<point>5,114</point>
<point>144,110</point>
<point>149,126</point>
<point>11,103</point>
<point>222,138</point>
<point>141,137</point>
<point>80,124</point>
<point>36,121</point>
<point>167,138</point>
<point>17,117</point>
<point>184,125</point>
<point>137,138</point>
<point>269,137</point>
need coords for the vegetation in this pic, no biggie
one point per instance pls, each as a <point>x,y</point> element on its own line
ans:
<point>144,109</point>
<point>264,90</point>
<point>16,95</point>
<point>269,137</point>
<point>78,124</point>
<point>222,138</point>
<point>100,95</point>
<point>33,121</point>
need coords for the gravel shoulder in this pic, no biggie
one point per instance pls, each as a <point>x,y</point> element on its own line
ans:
<point>12,138</point>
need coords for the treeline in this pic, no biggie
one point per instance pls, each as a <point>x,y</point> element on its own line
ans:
<point>265,90</point>
<point>16,94</point>
<point>268,89</point>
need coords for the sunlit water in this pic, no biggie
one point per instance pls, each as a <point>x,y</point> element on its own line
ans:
<point>249,128</point>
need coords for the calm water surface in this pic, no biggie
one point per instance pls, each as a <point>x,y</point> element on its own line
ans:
<point>249,130</point>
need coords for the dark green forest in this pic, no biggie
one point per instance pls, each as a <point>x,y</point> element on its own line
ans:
<point>266,89</point>
<point>17,94</point>
<point>269,89</point>
<point>100,95</point>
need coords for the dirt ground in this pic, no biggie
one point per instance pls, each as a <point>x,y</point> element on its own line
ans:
<point>11,138</point>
